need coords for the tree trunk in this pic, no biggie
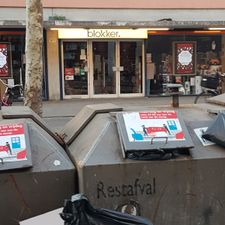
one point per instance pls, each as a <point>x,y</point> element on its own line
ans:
<point>34,70</point>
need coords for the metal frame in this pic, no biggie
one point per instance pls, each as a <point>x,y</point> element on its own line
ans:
<point>62,71</point>
<point>90,70</point>
<point>143,71</point>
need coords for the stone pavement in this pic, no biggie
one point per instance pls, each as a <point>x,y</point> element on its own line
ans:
<point>58,113</point>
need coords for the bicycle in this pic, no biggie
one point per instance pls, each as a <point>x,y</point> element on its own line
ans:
<point>8,95</point>
<point>210,87</point>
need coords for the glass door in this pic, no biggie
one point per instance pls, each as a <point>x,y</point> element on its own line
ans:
<point>131,67</point>
<point>75,70</point>
<point>104,74</point>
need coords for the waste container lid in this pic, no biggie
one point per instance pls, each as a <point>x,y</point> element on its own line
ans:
<point>15,151</point>
<point>203,150</point>
<point>219,99</point>
<point>152,130</point>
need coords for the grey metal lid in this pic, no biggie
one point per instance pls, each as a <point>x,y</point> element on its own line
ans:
<point>152,130</point>
<point>15,150</point>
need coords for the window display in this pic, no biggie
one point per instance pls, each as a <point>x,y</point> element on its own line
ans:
<point>75,68</point>
<point>104,60</point>
<point>13,62</point>
<point>5,60</point>
<point>183,59</point>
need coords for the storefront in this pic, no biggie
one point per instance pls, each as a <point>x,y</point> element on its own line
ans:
<point>12,60</point>
<point>102,62</point>
<point>94,49</point>
<point>183,57</point>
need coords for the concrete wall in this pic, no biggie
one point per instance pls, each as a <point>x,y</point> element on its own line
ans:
<point>53,65</point>
<point>141,4</point>
<point>19,14</point>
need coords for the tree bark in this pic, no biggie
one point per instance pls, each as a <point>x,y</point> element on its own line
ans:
<point>34,68</point>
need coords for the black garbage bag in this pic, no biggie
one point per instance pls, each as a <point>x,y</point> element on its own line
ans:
<point>78,211</point>
<point>216,131</point>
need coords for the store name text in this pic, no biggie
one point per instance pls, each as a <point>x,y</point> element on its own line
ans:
<point>102,34</point>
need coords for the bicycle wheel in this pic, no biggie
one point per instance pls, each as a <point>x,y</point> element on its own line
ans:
<point>198,96</point>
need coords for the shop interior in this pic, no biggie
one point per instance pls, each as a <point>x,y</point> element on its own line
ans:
<point>12,71</point>
<point>75,64</point>
<point>161,61</point>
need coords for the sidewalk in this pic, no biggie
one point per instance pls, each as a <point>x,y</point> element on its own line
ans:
<point>58,113</point>
<point>71,107</point>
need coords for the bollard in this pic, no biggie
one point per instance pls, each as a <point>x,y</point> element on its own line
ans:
<point>175,100</point>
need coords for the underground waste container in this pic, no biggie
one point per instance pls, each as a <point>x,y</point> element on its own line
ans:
<point>186,188</point>
<point>36,174</point>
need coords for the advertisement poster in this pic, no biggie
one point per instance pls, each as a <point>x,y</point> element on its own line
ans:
<point>12,143</point>
<point>69,73</point>
<point>4,60</point>
<point>184,58</point>
<point>143,126</point>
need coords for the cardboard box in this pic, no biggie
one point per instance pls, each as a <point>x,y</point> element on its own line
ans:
<point>49,218</point>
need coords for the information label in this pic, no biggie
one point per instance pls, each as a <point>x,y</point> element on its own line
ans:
<point>12,143</point>
<point>143,126</point>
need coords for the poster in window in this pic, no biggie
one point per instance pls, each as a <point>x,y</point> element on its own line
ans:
<point>69,73</point>
<point>184,58</point>
<point>5,60</point>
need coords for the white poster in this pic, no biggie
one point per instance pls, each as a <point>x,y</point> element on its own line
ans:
<point>199,132</point>
<point>69,77</point>
<point>143,126</point>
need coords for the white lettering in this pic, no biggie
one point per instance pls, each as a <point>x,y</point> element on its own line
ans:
<point>102,34</point>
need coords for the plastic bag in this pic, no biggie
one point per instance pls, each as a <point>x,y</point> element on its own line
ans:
<point>78,211</point>
<point>216,132</point>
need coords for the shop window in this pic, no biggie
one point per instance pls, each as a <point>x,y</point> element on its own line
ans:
<point>206,61</point>
<point>75,68</point>
<point>15,40</point>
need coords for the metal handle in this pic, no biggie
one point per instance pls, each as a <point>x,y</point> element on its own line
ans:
<point>158,138</point>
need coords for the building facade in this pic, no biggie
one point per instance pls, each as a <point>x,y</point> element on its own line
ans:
<point>96,49</point>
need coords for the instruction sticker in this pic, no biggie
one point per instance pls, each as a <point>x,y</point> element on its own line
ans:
<point>12,143</point>
<point>143,126</point>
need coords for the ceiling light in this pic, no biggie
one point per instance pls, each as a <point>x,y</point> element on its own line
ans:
<point>216,28</point>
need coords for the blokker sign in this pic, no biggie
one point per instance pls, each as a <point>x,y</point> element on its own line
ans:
<point>103,34</point>
<point>65,33</point>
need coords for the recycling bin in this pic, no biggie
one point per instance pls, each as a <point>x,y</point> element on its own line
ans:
<point>36,174</point>
<point>186,189</point>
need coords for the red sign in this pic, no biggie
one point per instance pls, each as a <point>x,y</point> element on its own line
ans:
<point>4,65</point>
<point>155,129</point>
<point>11,129</point>
<point>158,115</point>
<point>69,71</point>
<point>184,57</point>
<point>4,148</point>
